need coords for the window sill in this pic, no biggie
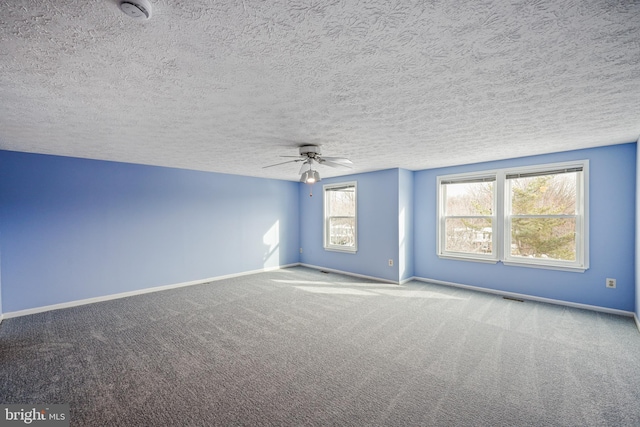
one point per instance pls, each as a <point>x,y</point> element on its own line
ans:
<point>511,263</point>
<point>573,269</point>
<point>468,258</point>
<point>343,250</point>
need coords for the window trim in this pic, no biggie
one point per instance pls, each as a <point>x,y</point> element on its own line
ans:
<point>582,218</point>
<point>501,238</point>
<point>482,176</point>
<point>325,231</point>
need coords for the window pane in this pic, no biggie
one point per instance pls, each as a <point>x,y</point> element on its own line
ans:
<point>544,195</point>
<point>342,231</point>
<point>342,203</point>
<point>469,235</point>
<point>469,198</point>
<point>552,238</point>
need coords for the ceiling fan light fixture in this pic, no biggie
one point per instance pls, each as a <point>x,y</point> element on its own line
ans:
<point>310,177</point>
<point>136,9</point>
<point>310,156</point>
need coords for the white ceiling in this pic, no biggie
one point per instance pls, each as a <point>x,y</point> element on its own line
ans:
<point>230,85</point>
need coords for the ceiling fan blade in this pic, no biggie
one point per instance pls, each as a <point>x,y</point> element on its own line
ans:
<point>338,160</point>
<point>334,164</point>
<point>304,166</point>
<point>282,163</point>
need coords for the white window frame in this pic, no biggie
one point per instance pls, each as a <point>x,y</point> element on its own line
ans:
<point>485,176</point>
<point>581,216</point>
<point>502,218</point>
<point>326,229</point>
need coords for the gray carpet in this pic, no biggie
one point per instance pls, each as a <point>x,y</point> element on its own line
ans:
<point>299,347</point>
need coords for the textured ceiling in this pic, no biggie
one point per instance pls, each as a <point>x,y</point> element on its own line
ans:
<point>231,85</point>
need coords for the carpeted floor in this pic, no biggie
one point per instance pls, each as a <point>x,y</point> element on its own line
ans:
<point>299,347</point>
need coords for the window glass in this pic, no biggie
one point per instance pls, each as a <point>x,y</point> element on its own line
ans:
<point>545,194</point>
<point>340,225</point>
<point>472,235</point>
<point>540,214</point>
<point>469,198</point>
<point>551,238</point>
<point>544,215</point>
<point>467,219</point>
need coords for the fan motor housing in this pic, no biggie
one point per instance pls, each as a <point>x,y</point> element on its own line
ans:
<point>310,150</point>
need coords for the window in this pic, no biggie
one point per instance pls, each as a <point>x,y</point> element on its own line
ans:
<point>467,219</point>
<point>544,216</point>
<point>340,222</point>
<point>534,216</point>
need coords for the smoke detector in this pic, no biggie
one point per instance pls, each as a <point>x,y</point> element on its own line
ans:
<point>137,9</point>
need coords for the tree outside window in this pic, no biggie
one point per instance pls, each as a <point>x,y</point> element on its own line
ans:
<point>543,216</point>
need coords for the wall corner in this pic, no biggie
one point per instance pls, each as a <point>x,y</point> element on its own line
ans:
<point>405,225</point>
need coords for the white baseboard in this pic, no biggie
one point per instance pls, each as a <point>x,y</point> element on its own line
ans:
<point>348,273</point>
<point>76,303</point>
<point>403,281</point>
<point>531,298</point>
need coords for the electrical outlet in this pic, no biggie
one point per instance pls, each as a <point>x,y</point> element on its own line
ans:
<point>390,263</point>
<point>611,283</point>
<point>300,250</point>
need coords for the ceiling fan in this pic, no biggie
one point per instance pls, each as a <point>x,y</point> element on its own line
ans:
<point>310,155</point>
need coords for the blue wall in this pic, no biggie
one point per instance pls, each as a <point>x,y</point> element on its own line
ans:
<point>637,260</point>
<point>612,230</point>
<point>405,224</point>
<point>377,211</point>
<point>74,228</point>
<point>1,274</point>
